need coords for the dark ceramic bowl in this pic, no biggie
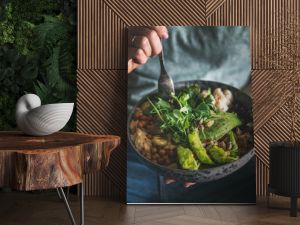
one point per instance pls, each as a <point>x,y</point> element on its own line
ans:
<point>243,107</point>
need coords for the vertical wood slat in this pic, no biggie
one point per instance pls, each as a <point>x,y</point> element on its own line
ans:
<point>101,40</point>
<point>271,88</point>
<point>100,115</point>
<point>265,18</point>
<point>102,49</point>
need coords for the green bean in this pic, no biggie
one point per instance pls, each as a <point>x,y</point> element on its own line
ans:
<point>219,155</point>
<point>197,147</point>
<point>186,159</point>
<point>234,151</point>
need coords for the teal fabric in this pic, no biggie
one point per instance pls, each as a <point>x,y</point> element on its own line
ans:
<point>197,53</point>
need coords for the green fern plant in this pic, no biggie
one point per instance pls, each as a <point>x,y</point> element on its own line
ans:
<point>57,70</point>
<point>55,44</point>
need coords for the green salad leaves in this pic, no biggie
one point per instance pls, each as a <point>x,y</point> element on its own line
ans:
<point>183,111</point>
<point>192,119</point>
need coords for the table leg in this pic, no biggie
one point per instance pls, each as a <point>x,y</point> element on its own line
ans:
<point>81,203</point>
<point>67,191</point>
<point>293,211</point>
<point>62,195</point>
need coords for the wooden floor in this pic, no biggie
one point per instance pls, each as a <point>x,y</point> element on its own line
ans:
<point>46,209</point>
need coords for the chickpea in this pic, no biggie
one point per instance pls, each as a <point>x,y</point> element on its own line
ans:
<point>154,150</point>
<point>147,146</point>
<point>171,153</point>
<point>222,145</point>
<point>133,125</point>
<point>159,141</point>
<point>146,118</point>
<point>156,156</point>
<point>172,147</point>
<point>162,152</point>
<point>137,115</point>
<point>142,123</point>
<point>152,129</point>
<point>148,155</point>
<point>160,160</point>
<point>168,161</point>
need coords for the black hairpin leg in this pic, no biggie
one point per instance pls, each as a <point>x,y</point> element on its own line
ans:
<point>293,205</point>
<point>293,210</point>
<point>61,195</point>
<point>67,193</point>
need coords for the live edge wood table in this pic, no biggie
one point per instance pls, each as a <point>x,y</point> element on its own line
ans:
<point>52,162</point>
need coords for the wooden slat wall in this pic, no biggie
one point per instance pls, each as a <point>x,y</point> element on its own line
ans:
<point>102,70</point>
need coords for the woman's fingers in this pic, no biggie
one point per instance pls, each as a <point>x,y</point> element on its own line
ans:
<point>169,181</point>
<point>154,41</point>
<point>143,43</point>
<point>131,66</point>
<point>161,31</point>
<point>188,184</point>
<point>140,56</point>
<point>137,57</point>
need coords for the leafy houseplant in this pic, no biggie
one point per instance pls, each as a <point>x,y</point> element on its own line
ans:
<point>17,73</point>
<point>37,49</point>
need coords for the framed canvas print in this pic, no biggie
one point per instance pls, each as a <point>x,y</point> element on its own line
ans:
<point>190,126</point>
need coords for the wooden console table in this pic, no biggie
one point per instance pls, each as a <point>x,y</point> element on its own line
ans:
<point>54,161</point>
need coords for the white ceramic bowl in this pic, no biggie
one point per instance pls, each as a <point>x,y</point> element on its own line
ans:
<point>40,120</point>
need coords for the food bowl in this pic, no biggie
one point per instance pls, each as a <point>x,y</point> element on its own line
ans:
<point>244,111</point>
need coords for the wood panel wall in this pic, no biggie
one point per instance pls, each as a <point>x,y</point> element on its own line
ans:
<point>101,74</point>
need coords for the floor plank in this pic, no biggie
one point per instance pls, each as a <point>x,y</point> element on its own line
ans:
<point>18,208</point>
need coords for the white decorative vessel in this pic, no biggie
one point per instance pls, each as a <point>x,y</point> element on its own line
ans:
<point>39,120</point>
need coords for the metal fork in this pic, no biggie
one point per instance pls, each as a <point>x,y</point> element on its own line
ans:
<point>165,82</point>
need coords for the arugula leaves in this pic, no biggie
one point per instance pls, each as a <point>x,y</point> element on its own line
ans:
<point>183,111</point>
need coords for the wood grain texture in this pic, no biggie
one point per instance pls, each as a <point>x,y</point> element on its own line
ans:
<point>102,68</point>
<point>45,209</point>
<point>101,36</point>
<point>56,160</point>
<point>104,116</point>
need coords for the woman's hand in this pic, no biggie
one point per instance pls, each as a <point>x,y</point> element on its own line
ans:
<point>186,184</point>
<point>144,42</point>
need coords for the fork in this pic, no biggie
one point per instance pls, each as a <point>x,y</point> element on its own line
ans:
<point>165,82</point>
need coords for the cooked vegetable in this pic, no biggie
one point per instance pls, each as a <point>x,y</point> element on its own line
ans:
<point>159,141</point>
<point>197,147</point>
<point>186,158</point>
<point>186,110</point>
<point>223,123</point>
<point>234,151</point>
<point>191,128</point>
<point>219,155</point>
